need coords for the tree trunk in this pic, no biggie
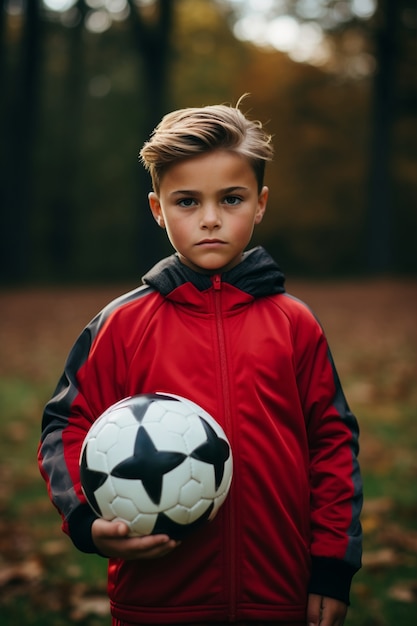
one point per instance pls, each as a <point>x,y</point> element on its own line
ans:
<point>15,201</point>
<point>379,240</point>
<point>152,40</point>
<point>63,216</point>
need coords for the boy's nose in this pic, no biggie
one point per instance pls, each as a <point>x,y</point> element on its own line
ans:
<point>210,216</point>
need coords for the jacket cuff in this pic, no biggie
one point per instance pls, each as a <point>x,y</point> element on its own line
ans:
<point>331,578</point>
<point>79,529</point>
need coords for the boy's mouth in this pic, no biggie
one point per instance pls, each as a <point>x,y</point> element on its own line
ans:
<point>210,242</point>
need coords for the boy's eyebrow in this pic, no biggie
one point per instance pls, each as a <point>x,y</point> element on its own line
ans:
<point>195,192</point>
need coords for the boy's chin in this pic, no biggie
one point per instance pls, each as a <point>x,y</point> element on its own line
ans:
<point>210,268</point>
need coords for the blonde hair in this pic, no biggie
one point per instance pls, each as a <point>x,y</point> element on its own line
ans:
<point>186,133</point>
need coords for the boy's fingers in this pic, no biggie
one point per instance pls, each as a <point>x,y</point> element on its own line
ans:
<point>103,528</point>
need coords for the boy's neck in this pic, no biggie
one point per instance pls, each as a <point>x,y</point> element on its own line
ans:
<point>210,272</point>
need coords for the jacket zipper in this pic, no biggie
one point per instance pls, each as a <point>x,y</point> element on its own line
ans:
<point>217,285</point>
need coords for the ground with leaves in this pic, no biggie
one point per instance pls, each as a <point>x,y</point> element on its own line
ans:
<point>372,329</point>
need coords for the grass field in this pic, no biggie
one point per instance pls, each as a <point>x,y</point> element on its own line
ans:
<point>372,330</point>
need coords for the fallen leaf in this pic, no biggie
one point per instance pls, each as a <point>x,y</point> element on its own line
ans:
<point>399,537</point>
<point>404,591</point>
<point>27,571</point>
<point>377,506</point>
<point>90,605</point>
<point>386,557</point>
<point>54,547</point>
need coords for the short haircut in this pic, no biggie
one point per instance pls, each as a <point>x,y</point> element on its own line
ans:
<point>189,132</point>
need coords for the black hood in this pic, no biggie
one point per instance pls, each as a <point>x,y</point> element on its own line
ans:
<point>257,274</point>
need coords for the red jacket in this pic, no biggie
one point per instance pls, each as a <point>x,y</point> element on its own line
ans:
<point>258,361</point>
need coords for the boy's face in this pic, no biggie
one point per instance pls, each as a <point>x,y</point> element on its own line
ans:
<point>209,205</point>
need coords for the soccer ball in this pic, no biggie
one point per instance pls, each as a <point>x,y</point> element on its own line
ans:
<point>158,462</point>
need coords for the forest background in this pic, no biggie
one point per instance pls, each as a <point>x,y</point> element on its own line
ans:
<point>83,86</point>
<point>83,83</point>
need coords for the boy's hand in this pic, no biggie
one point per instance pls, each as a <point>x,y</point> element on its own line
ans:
<point>322,611</point>
<point>112,540</point>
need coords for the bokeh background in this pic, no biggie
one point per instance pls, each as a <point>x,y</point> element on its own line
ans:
<point>83,83</point>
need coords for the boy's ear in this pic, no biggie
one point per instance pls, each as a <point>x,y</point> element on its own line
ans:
<point>262,202</point>
<point>155,206</point>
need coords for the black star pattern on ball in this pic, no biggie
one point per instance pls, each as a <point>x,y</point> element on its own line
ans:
<point>148,465</point>
<point>165,525</point>
<point>214,450</point>
<point>139,405</point>
<point>91,480</point>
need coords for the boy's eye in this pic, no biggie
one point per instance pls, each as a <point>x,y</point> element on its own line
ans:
<point>186,202</point>
<point>232,200</point>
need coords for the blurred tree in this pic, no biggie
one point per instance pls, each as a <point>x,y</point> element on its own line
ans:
<point>390,201</point>
<point>61,241</point>
<point>384,112</point>
<point>19,116</point>
<point>2,37</point>
<point>151,29</point>
<point>150,26</point>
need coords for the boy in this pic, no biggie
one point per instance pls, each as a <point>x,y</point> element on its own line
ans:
<point>213,323</point>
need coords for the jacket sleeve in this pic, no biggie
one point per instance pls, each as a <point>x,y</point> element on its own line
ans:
<point>335,481</point>
<point>87,387</point>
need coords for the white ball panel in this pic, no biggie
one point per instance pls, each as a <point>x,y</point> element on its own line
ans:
<point>107,437</point>
<point>164,439</point>
<point>155,411</point>
<point>173,406</point>
<point>96,459</point>
<point>204,473</point>
<point>124,446</point>
<point>173,480</point>
<point>195,434</point>
<point>124,508</point>
<point>105,496</point>
<point>194,408</point>
<point>184,515</point>
<point>123,416</point>
<point>142,525</point>
<point>190,493</point>
<point>135,490</point>
<point>175,422</point>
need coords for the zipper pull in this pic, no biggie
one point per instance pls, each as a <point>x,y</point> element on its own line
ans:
<point>217,282</point>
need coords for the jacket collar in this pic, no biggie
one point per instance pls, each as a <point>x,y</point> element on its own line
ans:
<point>257,275</point>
